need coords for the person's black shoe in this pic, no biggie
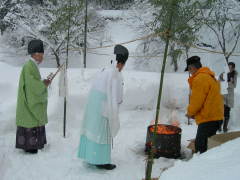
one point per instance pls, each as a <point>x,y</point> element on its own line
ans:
<point>32,151</point>
<point>107,166</point>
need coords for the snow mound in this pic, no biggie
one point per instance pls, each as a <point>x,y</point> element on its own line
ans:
<point>219,163</point>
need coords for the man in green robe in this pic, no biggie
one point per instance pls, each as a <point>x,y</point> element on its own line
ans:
<point>31,115</point>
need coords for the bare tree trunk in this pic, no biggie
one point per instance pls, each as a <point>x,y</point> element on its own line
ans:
<point>174,58</point>
<point>227,59</point>
<point>187,52</point>
<point>175,66</point>
<point>56,57</point>
<point>56,53</point>
<point>219,29</point>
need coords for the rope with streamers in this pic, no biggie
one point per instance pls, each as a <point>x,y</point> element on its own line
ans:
<point>165,34</point>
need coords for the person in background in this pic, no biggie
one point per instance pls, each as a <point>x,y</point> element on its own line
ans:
<point>101,122</point>
<point>229,97</point>
<point>31,114</point>
<point>206,102</point>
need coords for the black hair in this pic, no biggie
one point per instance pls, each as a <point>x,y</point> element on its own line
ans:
<point>121,58</point>
<point>231,75</point>
<point>35,46</point>
<point>231,64</point>
<point>197,65</point>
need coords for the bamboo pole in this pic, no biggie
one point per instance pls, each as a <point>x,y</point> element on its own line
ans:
<point>150,159</point>
<point>188,122</point>
<point>85,36</point>
<point>68,39</point>
<point>189,94</point>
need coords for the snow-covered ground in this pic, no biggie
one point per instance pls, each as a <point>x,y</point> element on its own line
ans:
<point>60,153</point>
<point>58,159</point>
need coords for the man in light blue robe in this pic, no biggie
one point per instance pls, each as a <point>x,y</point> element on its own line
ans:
<point>101,121</point>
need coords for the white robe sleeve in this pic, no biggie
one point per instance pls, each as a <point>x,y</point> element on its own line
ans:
<point>113,102</point>
<point>120,89</point>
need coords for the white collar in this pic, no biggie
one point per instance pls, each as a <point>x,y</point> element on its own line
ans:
<point>35,62</point>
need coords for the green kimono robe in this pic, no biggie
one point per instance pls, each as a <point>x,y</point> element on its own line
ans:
<point>32,98</point>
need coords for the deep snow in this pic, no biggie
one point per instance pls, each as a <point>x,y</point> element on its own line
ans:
<point>59,161</point>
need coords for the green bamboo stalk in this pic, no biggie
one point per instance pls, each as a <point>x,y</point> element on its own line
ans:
<point>85,35</point>
<point>150,159</point>
<point>68,39</point>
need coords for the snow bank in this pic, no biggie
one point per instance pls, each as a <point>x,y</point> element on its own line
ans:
<point>220,163</point>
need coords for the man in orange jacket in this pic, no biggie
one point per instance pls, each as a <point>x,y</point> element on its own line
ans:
<point>206,102</point>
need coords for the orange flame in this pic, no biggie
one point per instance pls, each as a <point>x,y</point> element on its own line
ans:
<point>163,129</point>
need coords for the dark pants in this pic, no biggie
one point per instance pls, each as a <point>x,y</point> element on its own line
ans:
<point>226,118</point>
<point>31,138</point>
<point>204,131</point>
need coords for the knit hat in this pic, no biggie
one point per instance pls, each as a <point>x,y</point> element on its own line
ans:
<point>35,46</point>
<point>121,52</point>
<point>192,60</point>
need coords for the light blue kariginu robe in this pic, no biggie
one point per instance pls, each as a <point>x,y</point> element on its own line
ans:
<point>101,121</point>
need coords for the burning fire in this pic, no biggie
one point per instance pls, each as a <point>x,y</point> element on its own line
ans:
<point>171,122</point>
<point>163,129</point>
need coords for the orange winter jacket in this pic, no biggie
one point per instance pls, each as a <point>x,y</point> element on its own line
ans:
<point>206,101</point>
